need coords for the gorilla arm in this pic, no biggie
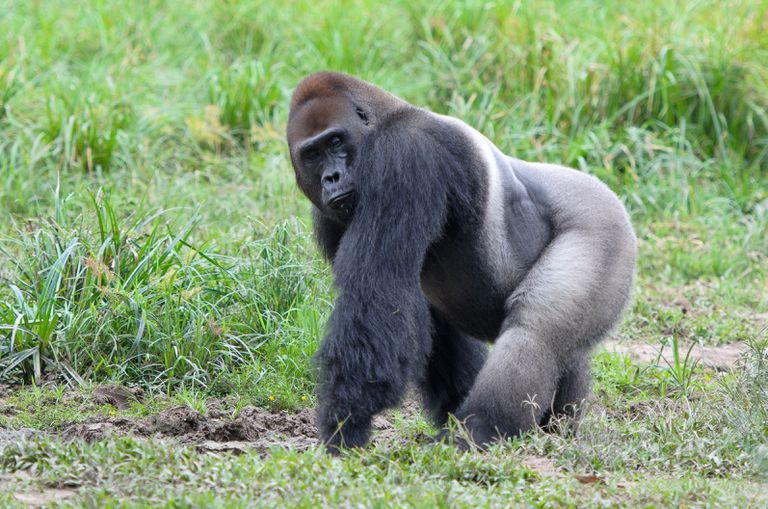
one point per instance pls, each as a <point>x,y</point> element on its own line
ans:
<point>380,330</point>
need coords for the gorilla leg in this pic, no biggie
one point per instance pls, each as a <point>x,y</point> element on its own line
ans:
<point>451,370</point>
<point>553,317</point>
<point>572,389</point>
<point>514,389</point>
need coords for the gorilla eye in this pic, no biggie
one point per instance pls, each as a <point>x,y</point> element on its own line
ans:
<point>311,154</point>
<point>336,142</point>
<point>362,115</point>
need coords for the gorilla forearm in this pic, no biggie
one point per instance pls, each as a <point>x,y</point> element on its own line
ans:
<point>374,346</point>
<point>380,330</point>
<point>378,340</point>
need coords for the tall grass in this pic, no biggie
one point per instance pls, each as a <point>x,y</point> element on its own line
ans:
<point>131,298</point>
<point>172,108</point>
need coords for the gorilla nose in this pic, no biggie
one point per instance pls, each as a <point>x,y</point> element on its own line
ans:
<point>332,178</point>
<point>332,183</point>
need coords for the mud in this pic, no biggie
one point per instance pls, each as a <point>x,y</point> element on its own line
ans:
<point>223,429</point>
<point>186,425</point>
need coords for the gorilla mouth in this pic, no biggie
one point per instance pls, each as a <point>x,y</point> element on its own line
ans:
<point>343,202</point>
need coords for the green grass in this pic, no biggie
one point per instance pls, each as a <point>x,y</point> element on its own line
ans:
<point>636,447</point>
<point>151,232</point>
<point>140,475</point>
<point>136,301</point>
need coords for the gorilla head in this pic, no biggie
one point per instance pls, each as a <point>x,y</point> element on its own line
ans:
<point>329,119</point>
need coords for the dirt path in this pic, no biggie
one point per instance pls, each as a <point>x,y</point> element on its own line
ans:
<point>222,428</point>
<point>719,358</point>
<point>251,428</point>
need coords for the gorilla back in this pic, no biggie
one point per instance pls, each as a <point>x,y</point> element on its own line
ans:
<point>439,244</point>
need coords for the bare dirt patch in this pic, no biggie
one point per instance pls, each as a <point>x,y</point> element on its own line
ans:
<point>384,429</point>
<point>257,426</point>
<point>44,497</point>
<point>719,358</point>
<point>5,391</point>
<point>118,396</point>
<point>18,484</point>
<point>221,429</point>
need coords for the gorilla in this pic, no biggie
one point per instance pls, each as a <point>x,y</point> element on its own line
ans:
<point>441,244</point>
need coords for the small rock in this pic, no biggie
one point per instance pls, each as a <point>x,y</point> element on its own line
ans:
<point>234,446</point>
<point>542,465</point>
<point>118,396</point>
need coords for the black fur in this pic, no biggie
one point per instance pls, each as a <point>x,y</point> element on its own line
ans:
<point>380,330</point>
<point>328,234</point>
<point>453,364</point>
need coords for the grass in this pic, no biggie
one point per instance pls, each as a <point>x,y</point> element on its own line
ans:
<point>151,232</point>
<point>136,301</point>
<point>636,447</point>
<point>412,477</point>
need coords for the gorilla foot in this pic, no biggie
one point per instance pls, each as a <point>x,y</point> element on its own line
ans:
<point>452,437</point>
<point>345,435</point>
<point>471,432</point>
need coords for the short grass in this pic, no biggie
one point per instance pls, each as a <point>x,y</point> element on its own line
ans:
<point>648,440</point>
<point>151,233</point>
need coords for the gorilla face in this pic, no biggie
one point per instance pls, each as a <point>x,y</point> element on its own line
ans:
<point>323,136</point>
<point>327,158</point>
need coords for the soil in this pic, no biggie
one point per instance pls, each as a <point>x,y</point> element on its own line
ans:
<point>251,427</point>
<point>219,429</point>
<point>44,497</point>
<point>718,358</point>
<point>118,396</point>
<point>223,429</point>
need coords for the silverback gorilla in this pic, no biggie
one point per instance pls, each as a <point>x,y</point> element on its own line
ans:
<point>439,244</point>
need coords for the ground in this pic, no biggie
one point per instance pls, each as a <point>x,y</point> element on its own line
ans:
<point>161,296</point>
<point>109,444</point>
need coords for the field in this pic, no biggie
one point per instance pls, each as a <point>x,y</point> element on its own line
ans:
<point>161,296</point>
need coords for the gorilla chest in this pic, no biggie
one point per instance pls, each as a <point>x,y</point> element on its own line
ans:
<point>457,282</point>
